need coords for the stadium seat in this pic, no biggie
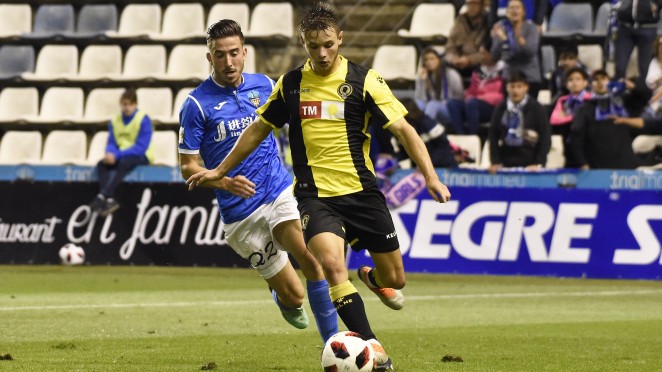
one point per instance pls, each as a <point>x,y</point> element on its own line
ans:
<point>65,147</point>
<point>602,19</point>
<point>97,147</point>
<point>19,103</point>
<point>16,60</point>
<point>237,11</point>
<point>96,19</point>
<point>570,20</point>
<point>430,21</point>
<point>396,62</point>
<point>485,160</point>
<point>102,104</point>
<point>555,156</point>
<point>61,104</point>
<point>272,20</point>
<point>165,148</point>
<point>55,62</point>
<point>15,19</point>
<point>249,64</point>
<point>592,56</point>
<point>548,60</point>
<point>180,97</point>
<point>138,20</point>
<point>100,62</point>
<point>545,97</point>
<point>644,143</point>
<point>470,143</point>
<point>181,21</point>
<point>20,147</point>
<point>188,62</point>
<point>52,20</point>
<point>156,102</point>
<point>144,61</point>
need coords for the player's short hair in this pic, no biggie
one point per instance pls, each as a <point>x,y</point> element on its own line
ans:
<point>224,28</point>
<point>320,16</point>
<point>517,77</point>
<point>129,95</point>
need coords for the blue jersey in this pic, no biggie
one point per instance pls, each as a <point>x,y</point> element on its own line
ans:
<point>211,119</point>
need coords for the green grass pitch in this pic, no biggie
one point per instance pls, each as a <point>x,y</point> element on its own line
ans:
<point>126,318</point>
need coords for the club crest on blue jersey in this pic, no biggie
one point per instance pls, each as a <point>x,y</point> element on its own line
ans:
<point>254,96</point>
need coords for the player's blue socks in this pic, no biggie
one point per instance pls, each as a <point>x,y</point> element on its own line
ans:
<point>325,313</point>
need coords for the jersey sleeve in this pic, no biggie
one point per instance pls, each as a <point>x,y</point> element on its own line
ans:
<point>191,120</point>
<point>274,112</point>
<point>380,101</point>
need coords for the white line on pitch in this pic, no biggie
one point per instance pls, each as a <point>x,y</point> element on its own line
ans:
<point>408,298</point>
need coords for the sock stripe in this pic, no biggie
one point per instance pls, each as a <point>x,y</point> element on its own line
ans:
<point>342,290</point>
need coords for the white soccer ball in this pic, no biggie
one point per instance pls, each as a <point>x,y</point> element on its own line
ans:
<point>349,352</point>
<point>71,254</point>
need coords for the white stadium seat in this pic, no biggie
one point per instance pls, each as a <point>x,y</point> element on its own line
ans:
<point>61,104</point>
<point>65,147</point>
<point>102,104</point>
<point>138,20</point>
<point>144,61</point>
<point>19,103</point>
<point>20,147</point>
<point>396,62</point>
<point>430,21</point>
<point>237,11</point>
<point>249,64</point>
<point>165,148</point>
<point>156,103</point>
<point>97,147</point>
<point>470,143</point>
<point>272,20</point>
<point>15,19</point>
<point>181,96</point>
<point>99,62</point>
<point>181,21</point>
<point>188,62</point>
<point>555,156</point>
<point>55,62</point>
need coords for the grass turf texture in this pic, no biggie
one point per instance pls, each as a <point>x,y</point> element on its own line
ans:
<point>186,319</point>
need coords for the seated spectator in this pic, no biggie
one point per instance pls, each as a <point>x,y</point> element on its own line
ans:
<point>595,141</point>
<point>567,105</point>
<point>535,11</point>
<point>484,93</point>
<point>515,41</point>
<point>129,145</point>
<point>520,134</point>
<point>654,81</point>
<point>466,37</point>
<point>652,126</point>
<point>433,135</point>
<point>435,84</point>
<point>568,58</point>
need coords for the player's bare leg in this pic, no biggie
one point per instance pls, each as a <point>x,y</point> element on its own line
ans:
<point>386,279</point>
<point>288,294</point>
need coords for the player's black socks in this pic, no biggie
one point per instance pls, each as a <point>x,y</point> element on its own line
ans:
<point>350,308</point>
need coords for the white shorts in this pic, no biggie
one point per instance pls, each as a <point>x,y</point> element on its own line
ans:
<point>252,237</point>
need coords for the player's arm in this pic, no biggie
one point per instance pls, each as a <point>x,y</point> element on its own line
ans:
<point>407,136</point>
<point>189,164</point>
<point>249,140</point>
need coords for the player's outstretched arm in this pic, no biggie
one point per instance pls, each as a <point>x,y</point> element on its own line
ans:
<point>190,164</point>
<point>407,136</point>
<point>249,140</point>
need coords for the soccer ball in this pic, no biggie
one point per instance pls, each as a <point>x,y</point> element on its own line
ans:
<point>71,254</point>
<point>349,352</point>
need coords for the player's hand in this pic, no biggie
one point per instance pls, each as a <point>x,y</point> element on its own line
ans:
<point>239,186</point>
<point>203,177</point>
<point>109,158</point>
<point>438,191</point>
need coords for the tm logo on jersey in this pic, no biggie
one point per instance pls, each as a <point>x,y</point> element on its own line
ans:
<point>322,110</point>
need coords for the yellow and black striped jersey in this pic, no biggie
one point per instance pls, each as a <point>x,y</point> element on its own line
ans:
<point>329,117</point>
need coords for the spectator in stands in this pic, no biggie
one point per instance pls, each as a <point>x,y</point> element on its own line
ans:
<point>646,125</point>
<point>535,12</point>
<point>654,81</point>
<point>595,141</point>
<point>485,92</point>
<point>129,145</point>
<point>435,84</point>
<point>637,26</point>
<point>567,105</point>
<point>520,134</point>
<point>466,37</point>
<point>515,41</point>
<point>568,58</point>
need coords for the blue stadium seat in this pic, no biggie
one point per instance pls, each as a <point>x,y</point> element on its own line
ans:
<point>570,20</point>
<point>15,60</point>
<point>95,20</point>
<point>52,20</point>
<point>602,19</point>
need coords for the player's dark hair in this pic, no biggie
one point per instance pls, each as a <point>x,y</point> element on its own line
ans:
<point>319,17</point>
<point>517,77</point>
<point>129,95</point>
<point>224,28</point>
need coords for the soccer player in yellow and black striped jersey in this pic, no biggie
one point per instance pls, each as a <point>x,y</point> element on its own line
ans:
<point>329,104</point>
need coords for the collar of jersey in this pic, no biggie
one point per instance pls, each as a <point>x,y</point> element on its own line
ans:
<point>224,86</point>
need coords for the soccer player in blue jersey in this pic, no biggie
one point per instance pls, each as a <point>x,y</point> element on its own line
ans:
<point>330,105</point>
<point>256,201</point>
